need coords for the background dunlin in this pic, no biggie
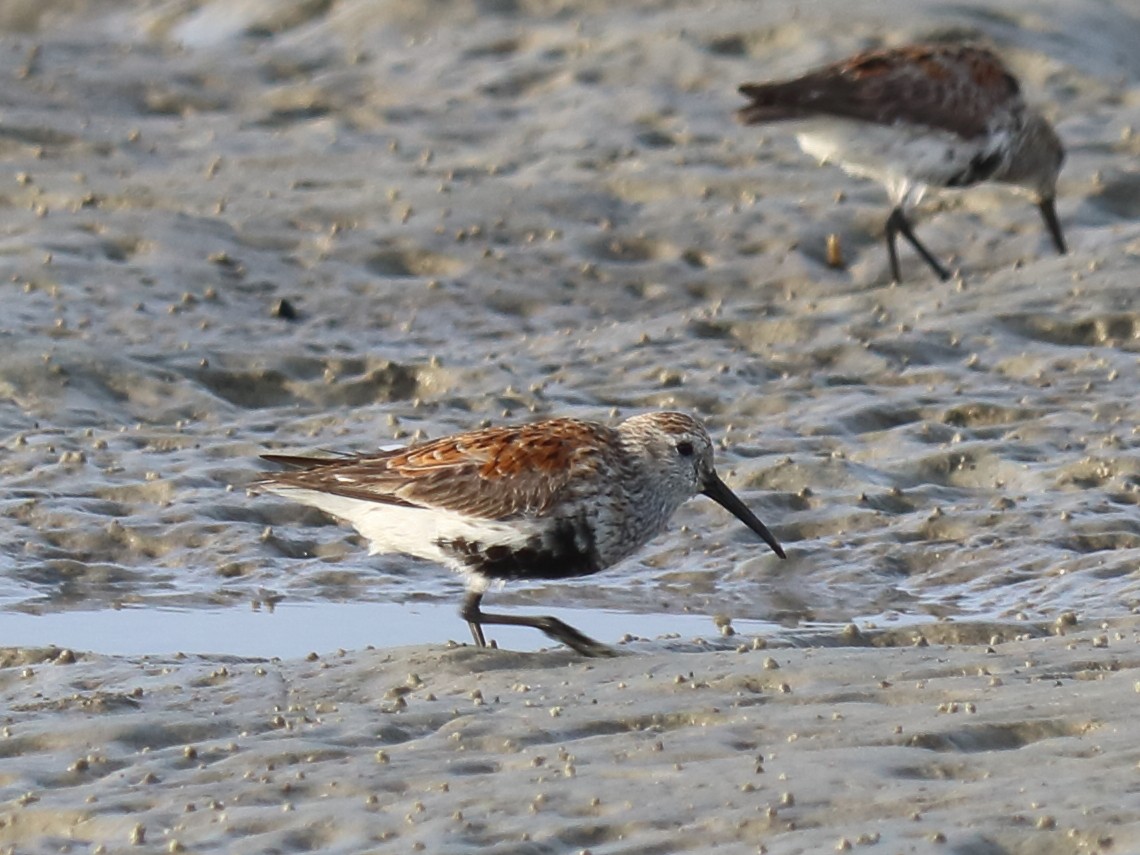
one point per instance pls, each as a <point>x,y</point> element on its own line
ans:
<point>945,115</point>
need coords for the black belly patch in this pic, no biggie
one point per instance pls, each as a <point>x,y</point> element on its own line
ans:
<point>981,167</point>
<point>562,551</point>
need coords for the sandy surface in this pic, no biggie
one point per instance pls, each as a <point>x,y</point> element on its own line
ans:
<point>488,210</point>
<point>1024,746</point>
<point>484,212</point>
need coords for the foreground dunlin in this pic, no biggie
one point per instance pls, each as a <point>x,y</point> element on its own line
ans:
<point>550,500</point>
<point>939,115</point>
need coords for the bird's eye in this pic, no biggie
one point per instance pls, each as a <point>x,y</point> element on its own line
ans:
<point>685,448</point>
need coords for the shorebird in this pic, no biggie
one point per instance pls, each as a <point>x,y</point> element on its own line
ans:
<point>937,115</point>
<point>550,500</point>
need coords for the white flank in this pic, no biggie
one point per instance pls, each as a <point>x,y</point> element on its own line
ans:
<point>903,158</point>
<point>413,531</point>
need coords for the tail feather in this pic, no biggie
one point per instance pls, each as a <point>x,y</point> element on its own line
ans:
<point>771,102</point>
<point>298,461</point>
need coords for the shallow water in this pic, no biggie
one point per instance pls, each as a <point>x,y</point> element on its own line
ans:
<point>292,631</point>
<point>505,211</point>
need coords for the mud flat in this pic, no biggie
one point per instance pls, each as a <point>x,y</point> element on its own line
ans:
<point>892,742</point>
<point>232,226</point>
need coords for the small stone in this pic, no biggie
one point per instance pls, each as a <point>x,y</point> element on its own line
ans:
<point>834,253</point>
<point>284,309</point>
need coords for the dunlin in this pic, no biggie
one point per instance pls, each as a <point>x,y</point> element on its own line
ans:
<point>550,500</point>
<point>938,115</point>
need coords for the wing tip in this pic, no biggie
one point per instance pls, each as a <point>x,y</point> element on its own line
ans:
<point>299,461</point>
<point>768,104</point>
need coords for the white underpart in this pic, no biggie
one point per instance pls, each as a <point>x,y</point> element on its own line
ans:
<point>414,531</point>
<point>905,159</point>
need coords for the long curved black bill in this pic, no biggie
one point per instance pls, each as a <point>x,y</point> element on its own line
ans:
<point>718,491</point>
<point>1049,215</point>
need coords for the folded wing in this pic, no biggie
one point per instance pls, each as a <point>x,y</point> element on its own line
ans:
<point>495,474</point>
<point>954,88</point>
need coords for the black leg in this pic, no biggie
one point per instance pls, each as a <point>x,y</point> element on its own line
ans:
<point>476,629</point>
<point>892,250</point>
<point>1049,214</point>
<point>552,626</point>
<point>897,224</point>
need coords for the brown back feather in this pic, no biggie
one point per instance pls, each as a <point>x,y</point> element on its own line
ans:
<point>497,473</point>
<point>954,88</point>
